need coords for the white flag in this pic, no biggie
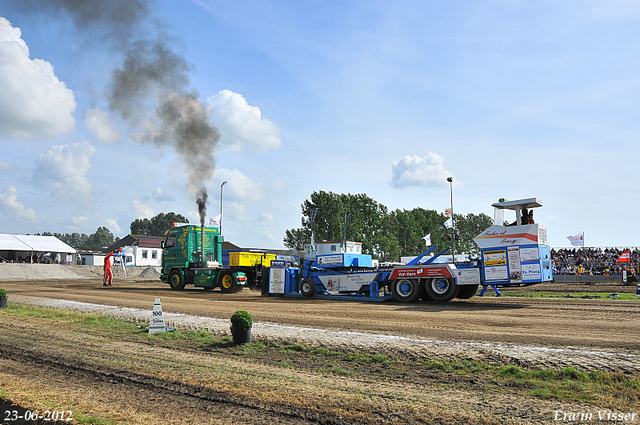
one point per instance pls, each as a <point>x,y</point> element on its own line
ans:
<point>449,223</point>
<point>215,221</point>
<point>427,239</point>
<point>577,240</point>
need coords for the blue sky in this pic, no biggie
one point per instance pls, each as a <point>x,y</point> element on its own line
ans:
<point>513,99</point>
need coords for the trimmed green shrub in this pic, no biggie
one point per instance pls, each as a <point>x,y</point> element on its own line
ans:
<point>241,320</point>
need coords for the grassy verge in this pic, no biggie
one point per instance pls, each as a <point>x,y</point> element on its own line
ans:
<point>279,373</point>
<point>567,384</point>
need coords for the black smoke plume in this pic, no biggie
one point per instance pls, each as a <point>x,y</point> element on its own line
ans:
<point>150,89</point>
<point>201,200</point>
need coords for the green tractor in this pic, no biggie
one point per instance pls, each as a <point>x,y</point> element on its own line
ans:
<point>192,254</point>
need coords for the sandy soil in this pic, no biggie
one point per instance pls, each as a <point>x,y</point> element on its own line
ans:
<point>583,333</point>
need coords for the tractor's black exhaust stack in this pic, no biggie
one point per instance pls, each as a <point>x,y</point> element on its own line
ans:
<point>202,258</point>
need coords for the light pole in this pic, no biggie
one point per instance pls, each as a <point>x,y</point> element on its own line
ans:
<point>221,186</point>
<point>453,224</point>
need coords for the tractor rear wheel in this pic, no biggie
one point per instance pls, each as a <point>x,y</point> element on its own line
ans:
<point>176,280</point>
<point>441,289</point>
<point>308,287</point>
<point>229,283</point>
<point>425,294</point>
<point>406,290</point>
<point>466,291</point>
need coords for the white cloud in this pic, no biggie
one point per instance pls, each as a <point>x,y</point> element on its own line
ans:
<point>5,166</point>
<point>242,125</point>
<point>235,211</point>
<point>13,208</point>
<point>62,170</point>
<point>240,187</point>
<point>423,172</point>
<point>141,210</point>
<point>34,103</point>
<point>113,225</point>
<point>265,219</point>
<point>79,220</point>
<point>160,196</point>
<point>101,126</point>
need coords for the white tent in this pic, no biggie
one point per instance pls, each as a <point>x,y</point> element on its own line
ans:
<point>27,245</point>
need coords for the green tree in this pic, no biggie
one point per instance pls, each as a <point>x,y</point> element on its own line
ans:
<point>468,227</point>
<point>413,225</point>
<point>102,238</point>
<point>140,226</point>
<point>297,238</point>
<point>387,235</point>
<point>364,226</point>
<point>75,240</point>
<point>157,225</point>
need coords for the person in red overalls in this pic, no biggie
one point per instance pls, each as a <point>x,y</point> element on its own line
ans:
<point>108,276</point>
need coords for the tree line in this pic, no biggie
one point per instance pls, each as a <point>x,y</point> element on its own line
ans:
<point>386,235</point>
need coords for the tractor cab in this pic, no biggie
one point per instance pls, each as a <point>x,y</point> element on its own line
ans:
<point>515,252</point>
<point>522,207</point>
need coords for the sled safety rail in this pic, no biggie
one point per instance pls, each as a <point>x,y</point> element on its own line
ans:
<point>416,260</point>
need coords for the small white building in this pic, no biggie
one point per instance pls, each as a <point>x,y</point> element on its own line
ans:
<point>137,250</point>
<point>91,258</point>
<point>333,247</point>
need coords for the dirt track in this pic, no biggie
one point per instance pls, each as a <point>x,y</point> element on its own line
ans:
<point>554,323</point>
<point>609,326</point>
<point>584,333</point>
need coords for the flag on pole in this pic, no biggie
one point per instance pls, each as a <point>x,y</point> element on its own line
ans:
<point>447,212</point>
<point>577,240</point>
<point>427,239</point>
<point>625,257</point>
<point>215,221</point>
<point>449,223</point>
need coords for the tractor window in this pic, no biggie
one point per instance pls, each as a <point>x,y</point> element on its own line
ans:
<point>498,217</point>
<point>171,241</point>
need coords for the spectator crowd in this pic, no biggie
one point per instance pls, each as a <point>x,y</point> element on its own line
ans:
<point>594,261</point>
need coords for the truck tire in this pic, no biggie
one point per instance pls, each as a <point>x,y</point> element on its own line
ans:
<point>176,280</point>
<point>406,290</point>
<point>228,283</point>
<point>441,289</point>
<point>308,287</point>
<point>466,291</point>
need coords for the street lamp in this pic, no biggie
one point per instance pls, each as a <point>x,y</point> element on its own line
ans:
<point>453,226</point>
<point>221,186</point>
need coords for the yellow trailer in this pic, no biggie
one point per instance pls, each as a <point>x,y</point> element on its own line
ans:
<point>249,259</point>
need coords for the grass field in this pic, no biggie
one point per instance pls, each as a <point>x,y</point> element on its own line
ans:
<point>269,365</point>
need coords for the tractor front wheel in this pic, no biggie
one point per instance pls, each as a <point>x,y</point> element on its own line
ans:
<point>176,280</point>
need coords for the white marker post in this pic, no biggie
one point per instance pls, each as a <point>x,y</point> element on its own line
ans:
<point>157,320</point>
